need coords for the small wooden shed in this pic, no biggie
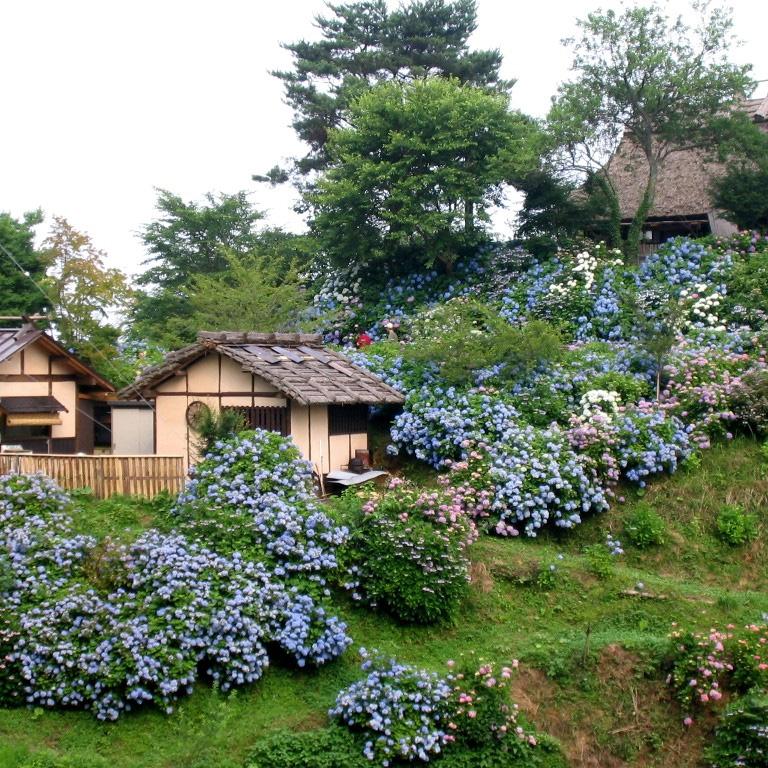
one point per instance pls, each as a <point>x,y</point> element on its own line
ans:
<point>285,382</point>
<point>50,400</point>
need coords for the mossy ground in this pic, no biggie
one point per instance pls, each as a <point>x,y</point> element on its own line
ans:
<point>589,647</point>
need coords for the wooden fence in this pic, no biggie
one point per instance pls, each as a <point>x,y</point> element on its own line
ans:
<point>105,475</point>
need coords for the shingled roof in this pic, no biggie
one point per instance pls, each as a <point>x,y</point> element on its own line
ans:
<point>13,340</point>
<point>295,363</point>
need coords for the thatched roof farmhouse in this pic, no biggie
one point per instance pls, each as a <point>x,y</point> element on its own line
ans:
<point>683,205</point>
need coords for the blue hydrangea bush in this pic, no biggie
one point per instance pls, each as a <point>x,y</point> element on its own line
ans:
<point>110,627</point>
<point>406,714</point>
<point>253,493</point>
<point>403,711</point>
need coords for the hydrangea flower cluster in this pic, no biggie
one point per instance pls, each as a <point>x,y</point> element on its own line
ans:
<point>177,607</point>
<point>408,551</point>
<point>253,493</point>
<point>701,664</point>
<point>706,664</point>
<point>409,714</point>
<point>108,627</point>
<point>402,710</point>
<point>596,392</point>
<point>700,385</point>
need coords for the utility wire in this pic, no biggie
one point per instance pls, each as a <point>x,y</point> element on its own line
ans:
<point>64,311</point>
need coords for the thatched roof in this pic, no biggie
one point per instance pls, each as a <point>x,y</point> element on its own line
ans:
<point>684,181</point>
<point>295,363</point>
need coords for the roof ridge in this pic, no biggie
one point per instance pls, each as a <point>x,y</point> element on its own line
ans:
<point>255,337</point>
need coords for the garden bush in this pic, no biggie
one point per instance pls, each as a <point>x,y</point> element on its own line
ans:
<point>109,627</point>
<point>734,526</point>
<point>407,552</point>
<point>252,494</point>
<point>749,400</point>
<point>402,712</point>
<point>704,665</point>
<point>749,649</point>
<point>406,714</point>
<point>741,738</point>
<point>644,527</point>
<point>330,747</point>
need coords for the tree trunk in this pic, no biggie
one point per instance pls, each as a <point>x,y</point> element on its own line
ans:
<point>469,217</point>
<point>614,209</point>
<point>632,245</point>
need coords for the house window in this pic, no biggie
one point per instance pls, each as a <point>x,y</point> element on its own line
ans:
<point>347,419</point>
<point>30,437</point>
<point>263,417</point>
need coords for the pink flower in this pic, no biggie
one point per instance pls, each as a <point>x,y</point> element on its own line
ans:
<point>688,722</point>
<point>472,714</point>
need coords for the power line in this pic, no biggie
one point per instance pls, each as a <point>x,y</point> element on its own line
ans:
<point>62,308</point>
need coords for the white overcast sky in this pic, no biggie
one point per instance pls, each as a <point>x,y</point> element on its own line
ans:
<point>102,101</point>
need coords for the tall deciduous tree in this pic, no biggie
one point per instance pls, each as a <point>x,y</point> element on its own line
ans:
<point>86,295</point>
<point>22,266</point>
<point>187,239</point>
<point>364,43</point>
<point>659,80</point>
<point>198,254</point>
<point>413,177</point>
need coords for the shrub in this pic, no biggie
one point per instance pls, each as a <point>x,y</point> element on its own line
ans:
<point>539,479</point>
<point>741,738</point>
<point>704,665</point>
<point>644,527</point>
<point>406,714</point>
<point>10,669</point>
<point>750,658</point>
<point>213,426</point>
<point>331,747</point>
<point>734,526</point>
<point>181,606</point>
<point>253,494</point>
<point>465,336</point>
<point>599,561</point>
<point>749,400</point>
<point>700,667</point>
<point>109,627</point>
<point>407,550</point>
<point>482,711</point>
<point>401,711</point>
<point>650,442</point>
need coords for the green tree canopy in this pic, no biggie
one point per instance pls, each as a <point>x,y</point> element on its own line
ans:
<point>185,240</point>
<point>22,266</point>
<point>255,293</point>
<point>86,295</point>
<point>413,177</point>
<point>364,43</point>
<point>742,192</point>
<point>640,73</point>
<point>190,242</point>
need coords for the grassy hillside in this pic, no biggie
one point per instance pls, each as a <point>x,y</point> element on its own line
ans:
<point>589,637</point>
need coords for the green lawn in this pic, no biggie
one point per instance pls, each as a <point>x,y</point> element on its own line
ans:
<point>589,650</point>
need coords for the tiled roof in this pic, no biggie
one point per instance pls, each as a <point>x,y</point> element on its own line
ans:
<point>13,340</point>
<point>295,363</point>
<point>31,404</point>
